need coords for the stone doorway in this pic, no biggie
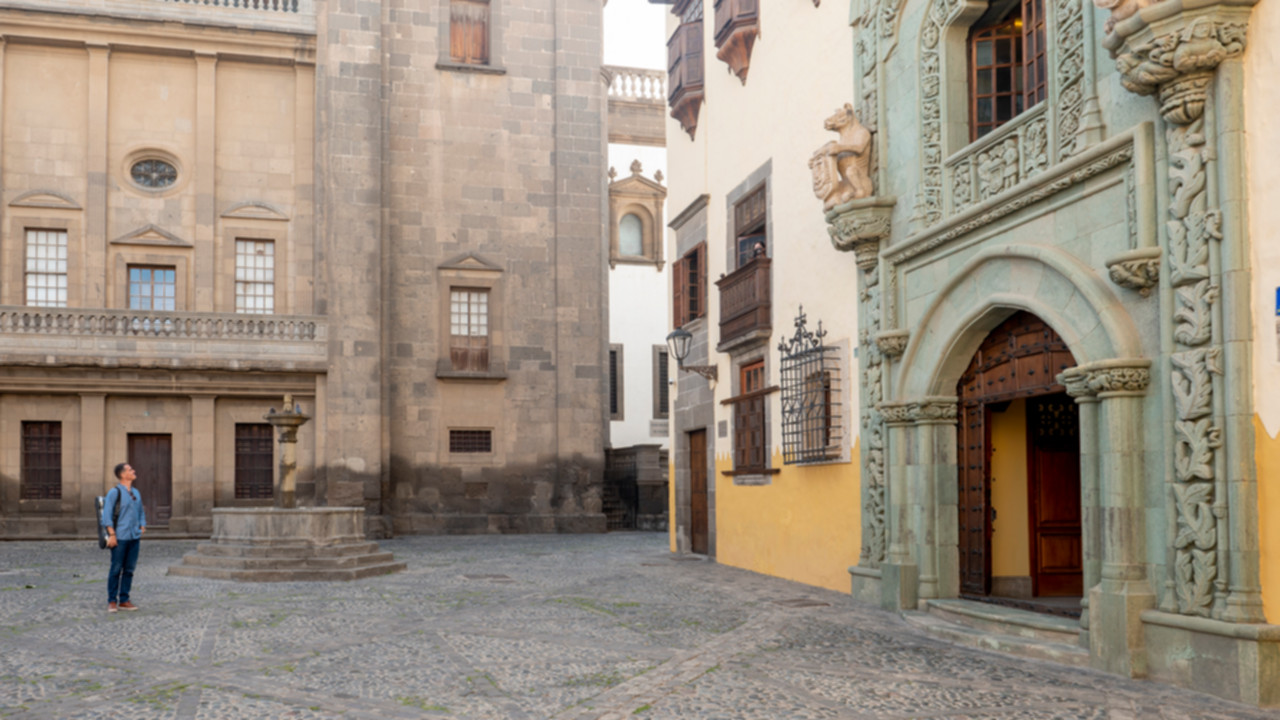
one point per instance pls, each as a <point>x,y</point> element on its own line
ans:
<point>1019,471</point>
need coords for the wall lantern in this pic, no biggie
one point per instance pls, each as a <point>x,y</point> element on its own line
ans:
<point>678,342</point>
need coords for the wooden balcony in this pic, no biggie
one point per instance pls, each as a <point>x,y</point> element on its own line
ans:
<point>746,305</point>
<point>62,337</point>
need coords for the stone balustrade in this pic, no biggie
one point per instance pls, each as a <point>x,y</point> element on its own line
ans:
<point>61,336</point>
<point>637,85</point>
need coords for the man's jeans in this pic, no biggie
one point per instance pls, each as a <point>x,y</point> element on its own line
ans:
<point>124,556</point>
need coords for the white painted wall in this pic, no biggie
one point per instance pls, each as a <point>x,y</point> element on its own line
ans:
<point>776,116</point>
<point>639,312</point>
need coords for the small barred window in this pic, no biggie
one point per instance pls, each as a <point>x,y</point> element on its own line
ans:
<point>470,441</point>
<point>810,379</point>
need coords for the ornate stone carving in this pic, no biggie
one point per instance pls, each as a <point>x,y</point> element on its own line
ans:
<point>897,413</point>
<point>1069,104</point>
<point>1121,9</point>
<point>1035,147</point>
<point>859,226</point>
<point>1076,381</point>
<point>893,342</point>
<point>998,168</point>
<point>935,410</point>
<point>1179,65</point>
<point>874,497</point>
<point>1138,270</point>
<point>840,167</point>
<point>1118,379</point>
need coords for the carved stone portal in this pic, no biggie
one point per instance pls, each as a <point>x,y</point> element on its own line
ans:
<point>841,168</point>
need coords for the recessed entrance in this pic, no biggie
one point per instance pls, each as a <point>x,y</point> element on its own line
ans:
<point>1019,471</point>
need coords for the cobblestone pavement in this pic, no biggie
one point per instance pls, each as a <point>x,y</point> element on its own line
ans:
<point>522,627</point>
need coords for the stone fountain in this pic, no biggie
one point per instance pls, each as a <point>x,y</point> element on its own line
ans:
<point>285,542</point>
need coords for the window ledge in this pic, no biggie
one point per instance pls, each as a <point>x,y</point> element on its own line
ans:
<point>491,376</point>
<point>469,67</point>
<point>759,476</point>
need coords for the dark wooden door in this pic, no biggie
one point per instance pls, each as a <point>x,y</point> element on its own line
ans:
<point>699,527</point>
<point>975,499</point>
<point>152,459</point>
<point>1019,359</point>
<point>1053,469</point>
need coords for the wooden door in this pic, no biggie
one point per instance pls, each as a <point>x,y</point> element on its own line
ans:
<point>1053,474</point>
<point>152,459</point>
<point>699,527</point>
<point>975,499</point>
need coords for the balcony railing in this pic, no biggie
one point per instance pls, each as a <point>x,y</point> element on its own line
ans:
<point>637,85</point>
<point>746,303</point>
<point>61,336</point>
<point>268,5</point>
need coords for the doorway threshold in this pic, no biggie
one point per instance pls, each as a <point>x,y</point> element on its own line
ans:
<point>1068,607</point>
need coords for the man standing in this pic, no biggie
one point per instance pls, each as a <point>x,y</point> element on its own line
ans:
<point>124,537</point>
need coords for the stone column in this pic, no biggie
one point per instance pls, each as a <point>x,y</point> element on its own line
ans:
<point>1174,51</point>
<point>859,226</point>
<point>899,574</point>
<point>286,424</point>
<point>93,460</point>
<point>206,257</point>
<point>1117,601</point>
<point>935,495</point>
<point>1077,386</point>
<point>199,510</point>
<point>94,273</point>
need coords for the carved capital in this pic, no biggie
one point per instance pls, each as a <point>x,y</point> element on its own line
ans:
<point>1076,382</point>
<point>860,226</point>
<point>893,342</point>
<point>897,413</point>
<point>1138,270</point>
<point>925,410</point>
<point>1174,57</point>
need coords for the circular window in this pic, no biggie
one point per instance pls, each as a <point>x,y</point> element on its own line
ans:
<point>153,174</point>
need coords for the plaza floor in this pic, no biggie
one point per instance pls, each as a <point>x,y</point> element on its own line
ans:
<point>525,627</point>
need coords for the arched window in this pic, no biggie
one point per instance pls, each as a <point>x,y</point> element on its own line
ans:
<point>1006,64</point>
<point>630,236</point>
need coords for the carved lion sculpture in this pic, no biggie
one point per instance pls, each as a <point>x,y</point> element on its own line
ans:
<point>840,167</point>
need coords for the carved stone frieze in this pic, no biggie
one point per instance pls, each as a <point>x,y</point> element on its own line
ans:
<point>1076,382</point>
<point>1137,270</point>
<point>893,342</point>
<point>1070,101</point>
<point>1119,379</point>
<point>930,409</point>
<point>859,226</point>
<point>899,413</point>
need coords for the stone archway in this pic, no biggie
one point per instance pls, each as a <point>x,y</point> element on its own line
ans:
<point>1109,385</point>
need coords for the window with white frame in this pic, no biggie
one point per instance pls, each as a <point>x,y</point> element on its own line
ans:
<point>46,269</point>
<point>255,276</point>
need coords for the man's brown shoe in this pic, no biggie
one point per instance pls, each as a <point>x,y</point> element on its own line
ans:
<point>111,607</point>
<point>128,606</point>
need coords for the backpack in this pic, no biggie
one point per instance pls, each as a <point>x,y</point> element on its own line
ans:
<point>99,503</point>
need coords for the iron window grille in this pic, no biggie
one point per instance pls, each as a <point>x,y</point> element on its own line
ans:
<point>255,459</point>
<point>41,470</point>
<point>470,441</point>
<point>812,427</point>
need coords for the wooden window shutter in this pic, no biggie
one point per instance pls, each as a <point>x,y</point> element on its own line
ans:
<point>701,280</point>
<point>469,31</point>
<point>678,289</point>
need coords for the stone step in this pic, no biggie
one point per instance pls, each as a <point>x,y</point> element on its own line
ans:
<point>286,574</point>
<point>1039,649</point>
<point>220,549</point>
<point>286,563</point>
<point>1007,620</point>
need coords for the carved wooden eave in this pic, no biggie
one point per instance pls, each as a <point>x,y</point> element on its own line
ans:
<point>684,108</point>
<point>735,49</point>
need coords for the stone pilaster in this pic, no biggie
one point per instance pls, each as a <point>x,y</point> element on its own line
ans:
<point>1086,398</point>
<point>1176,52</point>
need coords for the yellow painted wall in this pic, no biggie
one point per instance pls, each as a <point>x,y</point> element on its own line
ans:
<point>804,526</point>
<point>1268,457</point>
<point>1010,542</point>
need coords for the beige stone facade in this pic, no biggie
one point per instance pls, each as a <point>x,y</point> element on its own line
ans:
<point>204,207</point>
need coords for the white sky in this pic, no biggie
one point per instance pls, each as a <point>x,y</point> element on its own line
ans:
<point>635,34</point>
